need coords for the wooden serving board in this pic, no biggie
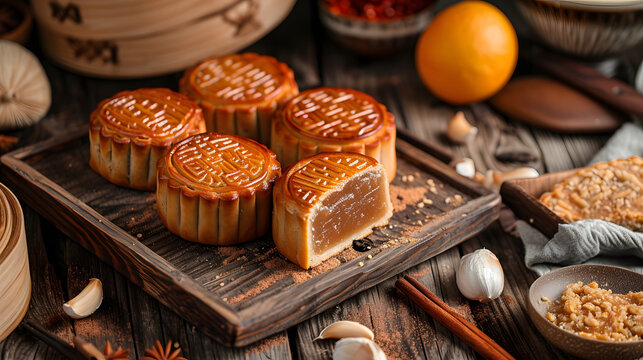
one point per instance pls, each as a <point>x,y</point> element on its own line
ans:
<point>240,294</point>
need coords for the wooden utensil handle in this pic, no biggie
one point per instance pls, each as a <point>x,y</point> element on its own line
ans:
<point>613,92</point>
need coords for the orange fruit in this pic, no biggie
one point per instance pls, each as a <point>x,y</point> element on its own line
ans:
<point>467,53</point>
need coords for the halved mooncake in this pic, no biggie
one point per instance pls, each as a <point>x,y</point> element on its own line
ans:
<point>217,189</point>
<point>326,201</point>
<point>239,93</point>
<point>331,119</point>
<point>131,131</point>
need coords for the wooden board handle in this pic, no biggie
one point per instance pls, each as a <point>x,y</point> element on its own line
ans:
<point>612,92</point>
<point>443,154</point>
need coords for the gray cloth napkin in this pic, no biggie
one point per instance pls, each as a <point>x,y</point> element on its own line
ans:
<point>590,241</point>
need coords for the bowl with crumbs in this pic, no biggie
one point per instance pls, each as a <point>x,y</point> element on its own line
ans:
<point>590,311</point>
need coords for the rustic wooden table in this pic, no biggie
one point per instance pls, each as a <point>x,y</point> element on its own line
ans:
<point>132,319</point>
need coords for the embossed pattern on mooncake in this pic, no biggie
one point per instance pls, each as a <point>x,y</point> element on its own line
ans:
<point>152,113</point>
<point>333,113</point>
<point>219,162</point>
<point>240,78</point>
<point>324,174</point>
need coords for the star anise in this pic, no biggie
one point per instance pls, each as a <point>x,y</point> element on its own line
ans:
<point>158,353</point>
<point>111,354</point>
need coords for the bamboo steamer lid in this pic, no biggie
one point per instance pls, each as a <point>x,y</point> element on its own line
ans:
<point>15,281</point>
<point>123,18</point>
<point>168,51</point>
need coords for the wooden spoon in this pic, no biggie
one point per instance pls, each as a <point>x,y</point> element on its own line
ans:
<point>551,105</point>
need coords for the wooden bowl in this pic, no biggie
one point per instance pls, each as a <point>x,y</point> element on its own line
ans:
<point>170,50</point>
<point>22,31</point>
<point>552,285</point>
<point>15,281</point>
<point>586,28</point>
<point>375,38</point>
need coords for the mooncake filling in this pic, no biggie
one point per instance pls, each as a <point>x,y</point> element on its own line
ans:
<point>350,213</point>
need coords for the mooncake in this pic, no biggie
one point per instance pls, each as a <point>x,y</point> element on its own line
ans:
<point>326,201</point>
<point>131,131</point>
<point>239,93</point>
<point>331,119</point>
<point>216,189</point>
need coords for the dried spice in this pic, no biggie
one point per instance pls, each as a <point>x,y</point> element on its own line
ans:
<point>377,9</point>
<point>118,354</point>
<point>158,353</point>
<point>362,245</point>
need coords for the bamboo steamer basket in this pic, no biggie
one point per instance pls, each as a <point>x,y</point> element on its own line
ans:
<point>122,18</point>
<point>222,32</point>
<point>15,281</point>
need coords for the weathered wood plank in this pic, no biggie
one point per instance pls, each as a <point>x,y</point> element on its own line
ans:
<point>412,334</point>
<point>111,322</point>
<point>46,300</point>
<point>505,319</point>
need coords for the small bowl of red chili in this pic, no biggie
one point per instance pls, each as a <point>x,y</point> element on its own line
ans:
<point>375,27</point>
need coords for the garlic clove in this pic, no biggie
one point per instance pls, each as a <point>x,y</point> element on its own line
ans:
<point>345,329</point>
<point>357,349</point>
<point>478,177</point>
<point>465,167</point>
<point>479,276</point>
<point>493,180</point>
<point>87,302</point>
<point>25,93</point>
<point>459,130</point>
<point>519,173</point>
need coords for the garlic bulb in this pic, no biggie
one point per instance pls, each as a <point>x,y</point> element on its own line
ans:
<point>344,329</point>
<point>87,302</point>
<point>479,276</point>
<point>357,349</point>
<point>25,94</point>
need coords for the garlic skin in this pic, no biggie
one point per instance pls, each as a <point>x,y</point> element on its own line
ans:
<point>459,130</point>
<point>357,349</point>
<point>479,276</point>
<point>87,302</point>
<point>25,93</point>
<point>345,329</point>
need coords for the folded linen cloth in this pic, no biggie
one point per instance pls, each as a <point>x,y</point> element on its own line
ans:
<point>590,241</point>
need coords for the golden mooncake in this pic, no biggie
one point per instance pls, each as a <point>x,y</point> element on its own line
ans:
<point>131,131</point>
<point>331,119</point>
<point>217,189</point>
<point>239,93</point>
<point>610,191</point>
<point>326,201</point>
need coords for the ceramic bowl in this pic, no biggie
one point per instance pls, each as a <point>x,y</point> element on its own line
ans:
<point>586,28</point>
<point>372,37</point>
<point>552,285</point>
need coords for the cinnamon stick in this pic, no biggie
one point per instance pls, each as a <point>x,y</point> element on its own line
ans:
<point>449,318</point>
